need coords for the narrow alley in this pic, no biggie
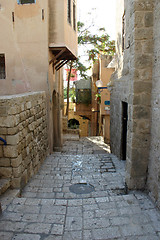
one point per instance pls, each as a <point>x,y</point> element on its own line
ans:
<point>79,193</point>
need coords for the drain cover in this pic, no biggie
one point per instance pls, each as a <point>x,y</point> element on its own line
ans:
<point>81,188</point>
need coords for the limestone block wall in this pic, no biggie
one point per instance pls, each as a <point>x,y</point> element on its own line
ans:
<point>23,125</point>
<point>132,84</point>
<point>154,160</point>
<point>122,79</point>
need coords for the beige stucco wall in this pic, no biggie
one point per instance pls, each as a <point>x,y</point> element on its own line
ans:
<point>25,45</point>
<point>61,33</point>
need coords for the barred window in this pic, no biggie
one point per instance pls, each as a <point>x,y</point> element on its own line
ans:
<point>26,1</point>
<point>123,32</point>
<point>69,11</point>
<point>2,67</point>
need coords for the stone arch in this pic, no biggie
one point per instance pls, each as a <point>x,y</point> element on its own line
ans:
<point>73,123</point>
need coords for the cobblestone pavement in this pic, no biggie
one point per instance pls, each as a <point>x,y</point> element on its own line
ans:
<point>48,210</point>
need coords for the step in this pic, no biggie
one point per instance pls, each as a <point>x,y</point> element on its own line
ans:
<point>4,185</point>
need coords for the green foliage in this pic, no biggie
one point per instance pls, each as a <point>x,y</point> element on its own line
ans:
<point>98,43</point>
<point>98,97</point>
<point>72,94</point>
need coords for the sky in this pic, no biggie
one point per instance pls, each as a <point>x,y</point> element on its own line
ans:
<point>98,14</point>
<point>103,14</point>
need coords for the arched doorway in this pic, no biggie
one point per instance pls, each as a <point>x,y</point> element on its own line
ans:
<point>56,121</point>
<point>73,123</point>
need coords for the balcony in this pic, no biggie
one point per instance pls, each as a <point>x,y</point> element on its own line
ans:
<point>62,31</point>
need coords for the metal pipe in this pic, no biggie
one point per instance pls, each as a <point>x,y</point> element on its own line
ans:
<point>1,139</point>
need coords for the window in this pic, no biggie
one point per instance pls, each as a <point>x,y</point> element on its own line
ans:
<point>123,32</point>
<point>26,1</point>
<point>74,15</point>
<point>69,11</point>
<point>2,67</point>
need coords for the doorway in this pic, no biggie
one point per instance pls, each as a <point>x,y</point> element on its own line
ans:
<point>124,130</point>
<point>56,121</point>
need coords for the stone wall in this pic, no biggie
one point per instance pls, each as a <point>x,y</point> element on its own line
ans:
<point>23,125</point>
<point>122,80</point>
<point>154,164</point>
<point>132,84</point>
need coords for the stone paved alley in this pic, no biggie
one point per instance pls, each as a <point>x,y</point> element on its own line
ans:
<point>49,208</point>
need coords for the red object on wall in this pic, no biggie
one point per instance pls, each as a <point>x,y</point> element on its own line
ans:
<point>73,74</point>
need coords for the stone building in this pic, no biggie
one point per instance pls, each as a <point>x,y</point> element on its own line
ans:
<point>37,39</point>
<point>135,99</point>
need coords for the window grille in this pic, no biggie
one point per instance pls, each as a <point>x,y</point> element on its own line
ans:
<point>74,15</point>
<point>2,67</point>
<point>69,11</point>
<point>83,96</point>
<point>123,32</point>
<point>26,1</point>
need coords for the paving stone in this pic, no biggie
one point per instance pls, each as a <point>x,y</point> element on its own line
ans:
<point>11,216</point>
<point>32,201</point>
<point>106,213</point>
<point>28,217</point>
<point>12,226</point>
<point>96,223</point>
<point>119,220</point>
<point>73,235</point>
<point>6,235</point>
<point>73,223</point>
<point>53,209</point>
<point>49,211</point>
<point>38,228</point>
<point>87,234</point>
<point>57,229</point>
<point>110,232</point>
<point>54,218</point>
<point>52,237</point>
<point>74,211</point>
<point>88,214</point>
<point>132,230</point>
<point>75,202</point>
<point>26,237</point>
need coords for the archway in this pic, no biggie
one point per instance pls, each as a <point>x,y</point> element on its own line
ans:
<point>73,123</point>
<point>56,121</point>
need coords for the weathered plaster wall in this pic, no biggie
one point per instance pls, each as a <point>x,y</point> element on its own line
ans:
<point>24,42</point>
<point>61,33</point>
<point>154,164</point>
<point>23,125</point>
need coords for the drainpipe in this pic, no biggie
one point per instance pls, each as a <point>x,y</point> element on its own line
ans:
<point>1,139</point>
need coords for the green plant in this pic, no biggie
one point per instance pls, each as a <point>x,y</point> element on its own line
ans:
<point>98,98</point>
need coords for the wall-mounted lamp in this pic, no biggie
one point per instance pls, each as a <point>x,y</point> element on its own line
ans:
<point>99,85</point>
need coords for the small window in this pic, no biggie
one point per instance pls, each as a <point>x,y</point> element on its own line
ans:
<point>123,32</point>
<point>26,1</point>
<point>69,11</point>
<point>2,67</point>
<point>74,15</point>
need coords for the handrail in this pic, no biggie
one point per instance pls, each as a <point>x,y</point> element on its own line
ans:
<point>1,139</point>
